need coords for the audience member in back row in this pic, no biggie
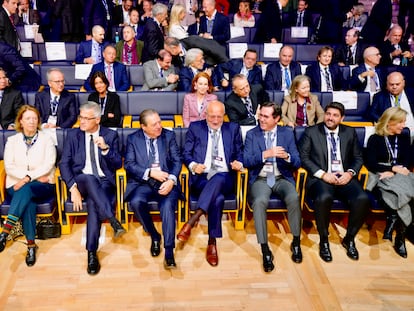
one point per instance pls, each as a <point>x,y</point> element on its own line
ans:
<point>394,51</point>
<point>10,100</point>
<point>195,103</point>
<point>269,25</point>
<point>302,17</point>
<point>389,157</point>
<point>244,17</point>
<point>279,75</point>
<point>90,51</point>
<point>129,50</point>
<point>214,25</point>
<point>358,18</point>
<point>394,95</point>
<point>175,28</point>
<point>368,77</point>
<point>57,107</point>
<point>300,107</point>
<point>29,160</point>
<point>8,33</point>
<point>120,15</point>
<point>109,101</point>
<point>115,71</point>
<point>97,12</point>
<point>350,53</point>
<point>25,15</point>
<point>134,23</point>
<point>243,102</point>
<point>378,23</point>
<point>325,76</point>
<point>246,66</point>
<point>159,73</point>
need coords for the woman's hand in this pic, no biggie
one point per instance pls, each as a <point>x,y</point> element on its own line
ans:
<point>43,179</point>
<point>400,169</point>
<point>386,174</point>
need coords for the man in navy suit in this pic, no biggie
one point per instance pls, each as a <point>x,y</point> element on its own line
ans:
<point>153,35</point>
<point>246,66</point>
<point>331,154</point>
<point>90,51</point>
<point>280,74</point>
<point>394,51</point>
<point>301,17</point>
<point>153,163</point>
<point>8,33</point>
<point>271,156</point>
<point>114,71</point>
<point>350,53</point>
<point>89,160</point>
<point>214,25</point>
<point>394,95</point>
<point>213,153</point>
<point>57,107</point>
<point>368,77</point>
<point>325,76</point>
<point>97,12</point>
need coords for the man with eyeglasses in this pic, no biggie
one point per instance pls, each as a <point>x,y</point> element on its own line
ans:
<point>89,160</point>
<point>56,105</point>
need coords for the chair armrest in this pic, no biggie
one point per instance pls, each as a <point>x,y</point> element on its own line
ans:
<point>178,120</point>
<point>127,121</point>
<point>241,198</point>
<point>77,123</point>
<point>363,176</point>
<point>121,182</point>
<point>2,181</point>
<point>301,175</point>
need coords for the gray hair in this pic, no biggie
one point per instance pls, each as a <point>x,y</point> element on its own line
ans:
<point>91,105</point>
<point>191,55</point>
<point>50,70</point>
<point>159,8</point>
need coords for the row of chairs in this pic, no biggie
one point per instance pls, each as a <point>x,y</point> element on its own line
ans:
<point>235,203</point>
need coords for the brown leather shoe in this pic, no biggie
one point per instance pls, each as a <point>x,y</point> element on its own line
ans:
<point>211,255</point>
<point>184,233</point>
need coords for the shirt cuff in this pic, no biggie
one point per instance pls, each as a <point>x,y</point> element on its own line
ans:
<point>351,171</point>
<point>191,166</point>
<point>146,174</point>
<point>288,158</point>
<point>173,178</point>
<point>319,174</point>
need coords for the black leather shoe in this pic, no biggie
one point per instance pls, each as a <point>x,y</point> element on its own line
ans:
<point>296,253</point>
<point>169,263</point>
<point>93,263</point>
<point>351,250</point>
<point>3,240</point>
<point>118,229</point>
<point>31,256</point>
<point>389,227</point>
<point>155,248</point>
<point>325,252</point>
<point>268,265</point>
<point>400,248</point>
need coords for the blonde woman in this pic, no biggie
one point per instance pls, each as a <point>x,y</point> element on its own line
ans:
<point>175,28</point>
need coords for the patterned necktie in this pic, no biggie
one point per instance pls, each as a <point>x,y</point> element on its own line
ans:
<point>333,145</point>
<point>328,80</point>
<point>299,22</point>
<point>287,78</point>
<point>151,156</point>
<point>249,106</point>
<point>349,58</point>
<point>54,106</point>
<point>214,153</point>
<point>397,101</point>
<point>372,82</point>
<point>270,177</point>
<point>109,76</point>
<point>93,159</point>
<point>210,25</point>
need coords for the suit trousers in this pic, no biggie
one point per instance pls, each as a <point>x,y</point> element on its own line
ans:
<point>167,204</point>
<point>23,204</point>
<point>259,197</point>
<point>352,194</point>
<point>99,194</point>
<point>211,193</point>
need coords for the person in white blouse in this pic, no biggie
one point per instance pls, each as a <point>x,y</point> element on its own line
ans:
<point>177,15</point>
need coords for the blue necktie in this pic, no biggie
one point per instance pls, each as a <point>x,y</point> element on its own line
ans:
<point>287,78</point>
<point>333,142</point>
<point>151,155</point>
<point>270,177</point>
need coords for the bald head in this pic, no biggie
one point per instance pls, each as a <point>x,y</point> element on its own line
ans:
<point>372,56</point>
<point>395,83</point>
<point>215,114</point>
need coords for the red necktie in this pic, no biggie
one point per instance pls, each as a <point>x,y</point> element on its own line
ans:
<point>11,21</point>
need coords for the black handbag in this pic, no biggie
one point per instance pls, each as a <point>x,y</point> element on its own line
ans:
<point>47,229</point>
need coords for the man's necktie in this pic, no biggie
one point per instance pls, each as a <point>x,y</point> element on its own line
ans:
<point>54,106</point>
<point>12,21</point>
<point>210,25</point>
<point>270,177</point>
<point>93,159</point>
<point>333,146</point>
<point>249,106</point>
<point>372,82</point>
<point>214,153</point>
<point>98,53</point>
<point>349,58</point>
<point>151,156</point>
<point>287,78</point>
<point>396,101</point>
<point>299,22</point>
<point>161,73</point>
<point>109,76</point>
<point>328,80</point>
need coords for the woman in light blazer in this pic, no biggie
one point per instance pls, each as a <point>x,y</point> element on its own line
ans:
<point>300,107</point>
<point>195,103</point>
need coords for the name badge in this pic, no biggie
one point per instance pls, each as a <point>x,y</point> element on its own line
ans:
<point>268,167</point>
<point>52,120</point>
<point>336,166</point>
<point>218,161</point>
<point>156,166</point>
<point>396,61</point>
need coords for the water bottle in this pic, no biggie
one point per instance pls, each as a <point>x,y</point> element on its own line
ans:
<point>116,37</point>
<point>404,61</point>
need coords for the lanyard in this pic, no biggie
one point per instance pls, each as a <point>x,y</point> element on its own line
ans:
<point>394,153</point>
<point>333,145</point>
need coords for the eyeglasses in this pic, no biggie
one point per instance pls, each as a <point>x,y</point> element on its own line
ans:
<point>58,81</point>
<point>86,118</point>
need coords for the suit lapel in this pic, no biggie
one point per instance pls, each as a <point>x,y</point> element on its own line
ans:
<point>323,144</point>
<point>226,136</point>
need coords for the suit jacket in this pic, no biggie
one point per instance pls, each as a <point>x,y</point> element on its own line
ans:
<point>333,16</point>
<point>119,47</point>
<point>293,17</point>
<point>314,150</point>
<point>118,15</point>
<point>152,79</point>
<point>236,110</point>
<point>121,80</point>
<point>67,112</point>
<point>196,141</point>
<point>255,145</point>
<point>137,161</point>
<point>190,108</point>
<point>221,28</point>
<point>341,54</point>
<point>314,73</point>
<point>386,48</point>
<point>187,75</point>
<point>153,38</point>
<point>358,86</point>
<point>85,50</point>
<point>112,105</point>
<point>192,29</point>
<point>94,13</point>
<point>68,12</point>
<point>9,106</point>
<point>214,52</point>
<point>22,76</point>
<point>74,155</point>
<point>314,110</point>
<point>382,101</point>
<point>269,24</point>
<point>273,77</point>
<point>378,22</point>
<point>233,67</point>
<point>8,33</point>
<point>33,18</point>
